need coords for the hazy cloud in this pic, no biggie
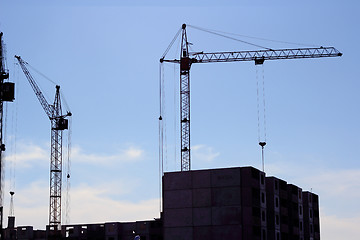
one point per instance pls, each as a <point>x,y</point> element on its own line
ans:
<point>334,227</point>
<point>129,154</point>
<point>100,208</point>
<point>89,204</point>
<point>204,153</point>
<point>27,153</point>
<point>337,182</point>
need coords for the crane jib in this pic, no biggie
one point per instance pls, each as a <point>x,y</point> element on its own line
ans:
<point>257,55</point>
<point>265,55</point>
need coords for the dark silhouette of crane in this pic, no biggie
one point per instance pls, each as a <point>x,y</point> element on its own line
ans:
<point>58,124</point>
<point>6,95</point>
<point>258,56</point>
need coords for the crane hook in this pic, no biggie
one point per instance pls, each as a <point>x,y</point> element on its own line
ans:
<point>262,144</point>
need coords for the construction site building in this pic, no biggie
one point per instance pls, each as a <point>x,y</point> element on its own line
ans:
<point>215,204</point>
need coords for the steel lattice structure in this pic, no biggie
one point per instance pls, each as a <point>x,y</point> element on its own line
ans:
<point>58,124</point>
<point>3,75</point>
<point>55,162</point>
<point>258,56</point>
<point>263,55</point>
<point>185,103</point>
<point>6,95</point>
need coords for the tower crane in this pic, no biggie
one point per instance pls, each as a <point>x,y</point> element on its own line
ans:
<point>258,56</point>
<point>58,124</point>
<point>6,95</point>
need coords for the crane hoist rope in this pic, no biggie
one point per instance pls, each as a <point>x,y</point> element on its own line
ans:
<point>161,121</point>
<point>68,174</point>
<point>261,110</point>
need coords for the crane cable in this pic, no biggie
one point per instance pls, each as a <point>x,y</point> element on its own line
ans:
<point>261,114</point>
<point>68,174</point>
<point>176,91</point>
<point>222,33</point>
<point>171,43</point>
<point>10,116</point>
<point>14,131</point>
<point>232,38</point>
<point>161,133</point>
<point>39,84</point>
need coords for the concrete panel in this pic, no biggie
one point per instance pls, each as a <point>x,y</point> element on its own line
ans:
<point>202,233</point>
<point>247,199</point>
<point>251,216</point>
<point>178,199</point>
<point>226,196</point>
<point>284,228</point>
<point>177,180</point>
<point>247,233</point>
<point>202,216</point>
<point>284,211</point>
<point>114,228</point>
<point>178,233</point>
<point>263,198</point>
<point>227,232</point>
<point>181,217</point>
<point>247,215</point>
<point>250,177</point>
<point>225,177</point>
<point>201,179</point>
<point>226,215</point>
<point>202,197</point>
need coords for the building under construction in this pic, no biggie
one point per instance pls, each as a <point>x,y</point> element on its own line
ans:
<point>218,204</point>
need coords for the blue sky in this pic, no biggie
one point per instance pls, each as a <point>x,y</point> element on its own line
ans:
<point>105,55</point>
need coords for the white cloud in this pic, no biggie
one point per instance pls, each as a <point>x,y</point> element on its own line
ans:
<point>28,153</point>
<point>204,153</point>
<point>129,154</point>
<point>335,228</point>
<point>337,182</point>
<point>89,204</point>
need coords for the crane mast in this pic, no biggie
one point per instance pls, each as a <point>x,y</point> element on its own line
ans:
<point>6,95</point>
<point>258,56</point>
<point>58,124</point>
<point>185,102</point>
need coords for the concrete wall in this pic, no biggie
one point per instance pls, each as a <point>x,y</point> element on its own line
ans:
<point>240,203</point>
<point>311,216</point>
<point>214,204</point>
